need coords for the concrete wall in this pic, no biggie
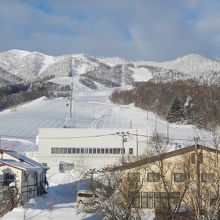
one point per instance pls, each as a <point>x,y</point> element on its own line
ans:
<point>88,138</point>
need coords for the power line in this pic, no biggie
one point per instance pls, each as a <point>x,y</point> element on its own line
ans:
<point>94,136</point>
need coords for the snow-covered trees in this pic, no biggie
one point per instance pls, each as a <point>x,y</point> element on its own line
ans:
<point>175,113</point>
<point>203,107</point>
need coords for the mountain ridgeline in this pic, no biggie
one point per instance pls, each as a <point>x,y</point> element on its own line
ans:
<point>17,66</point>
<point>185,90</point>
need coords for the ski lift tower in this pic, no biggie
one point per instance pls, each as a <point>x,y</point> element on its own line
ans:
<point>70,105</point>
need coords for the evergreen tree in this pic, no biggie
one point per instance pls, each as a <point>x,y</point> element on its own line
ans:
<point>175,113</point>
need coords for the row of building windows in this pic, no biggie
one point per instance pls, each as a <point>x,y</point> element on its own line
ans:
<point>178,177</point>
<point>153,199</point>
<point>59,150</point>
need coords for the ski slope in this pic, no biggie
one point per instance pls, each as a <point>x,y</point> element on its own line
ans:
<point>19,126</point>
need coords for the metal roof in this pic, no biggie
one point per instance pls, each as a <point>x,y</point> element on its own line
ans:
<point>21,165</point>
<point>25,159</point>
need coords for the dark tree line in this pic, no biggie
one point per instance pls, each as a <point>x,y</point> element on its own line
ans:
<point>179,101</point>
<point>16,94</point>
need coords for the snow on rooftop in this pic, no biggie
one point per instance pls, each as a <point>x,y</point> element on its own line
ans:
<point>25,159</point>
<point>20,165</point>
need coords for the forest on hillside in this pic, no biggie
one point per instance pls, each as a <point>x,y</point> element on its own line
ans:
<point>184,102</point>
<point>13,95</point>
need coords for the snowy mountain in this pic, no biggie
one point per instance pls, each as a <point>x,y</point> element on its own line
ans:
<point>192,66</point>
<point>18,65</point>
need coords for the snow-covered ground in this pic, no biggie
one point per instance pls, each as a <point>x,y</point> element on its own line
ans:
<point>19,126</point>
<point>58,203</point>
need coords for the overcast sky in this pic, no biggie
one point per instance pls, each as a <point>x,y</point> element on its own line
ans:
<point>131,29</point>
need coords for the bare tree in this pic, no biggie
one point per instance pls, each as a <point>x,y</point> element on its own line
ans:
<point>11,199</point>
<point>119,195</point>
<point>164,175</point>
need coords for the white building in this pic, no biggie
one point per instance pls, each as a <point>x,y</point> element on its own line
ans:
<point>67,148</point>
<point>26,174</point>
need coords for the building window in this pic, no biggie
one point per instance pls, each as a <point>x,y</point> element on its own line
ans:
<point>90,150</point>
<point>61,167</point>
<point>102,150</point>
<point>175,197</point>
<point>73,150</point>
<point>65,150</point>
<point>130,150</point>
<point>69,151</point>
<point>147,199</point>
<point>114,150</point>
<point>26,177</point>
<point>77,150</point>
<point>207,177</point>
<point>153,177</point>
<point>135,199</point>
<point>118,150</point>
<point>53,150</point>
<point>160,199</point>
<point>30,190</point>
<point>134,180</point>
<point>98,150</point>
<point>134,176</point>
<point>69,166</point>
<point>8,177</point>
<point>65,166</point>
<point>200,158</point>
<point>110,150</point>
<point>179,177</point>
<point>94,150</point>
<point>106,151</point>
<point>82,150</point>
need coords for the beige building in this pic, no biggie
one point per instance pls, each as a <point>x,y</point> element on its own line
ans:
<point>27,175</point>
<point>184,177</point>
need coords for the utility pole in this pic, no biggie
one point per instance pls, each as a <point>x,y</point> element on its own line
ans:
<point>130,124</point>
<point>71,100</point>
<point>197,166</point>
<point>156,103</point>
<point>1,151</point>
<point>155,127</point>
<point>124,136</point>
<point>216,142</point>
<point>137,142</point>
<point>93,119</point>
<point>168,133</point>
